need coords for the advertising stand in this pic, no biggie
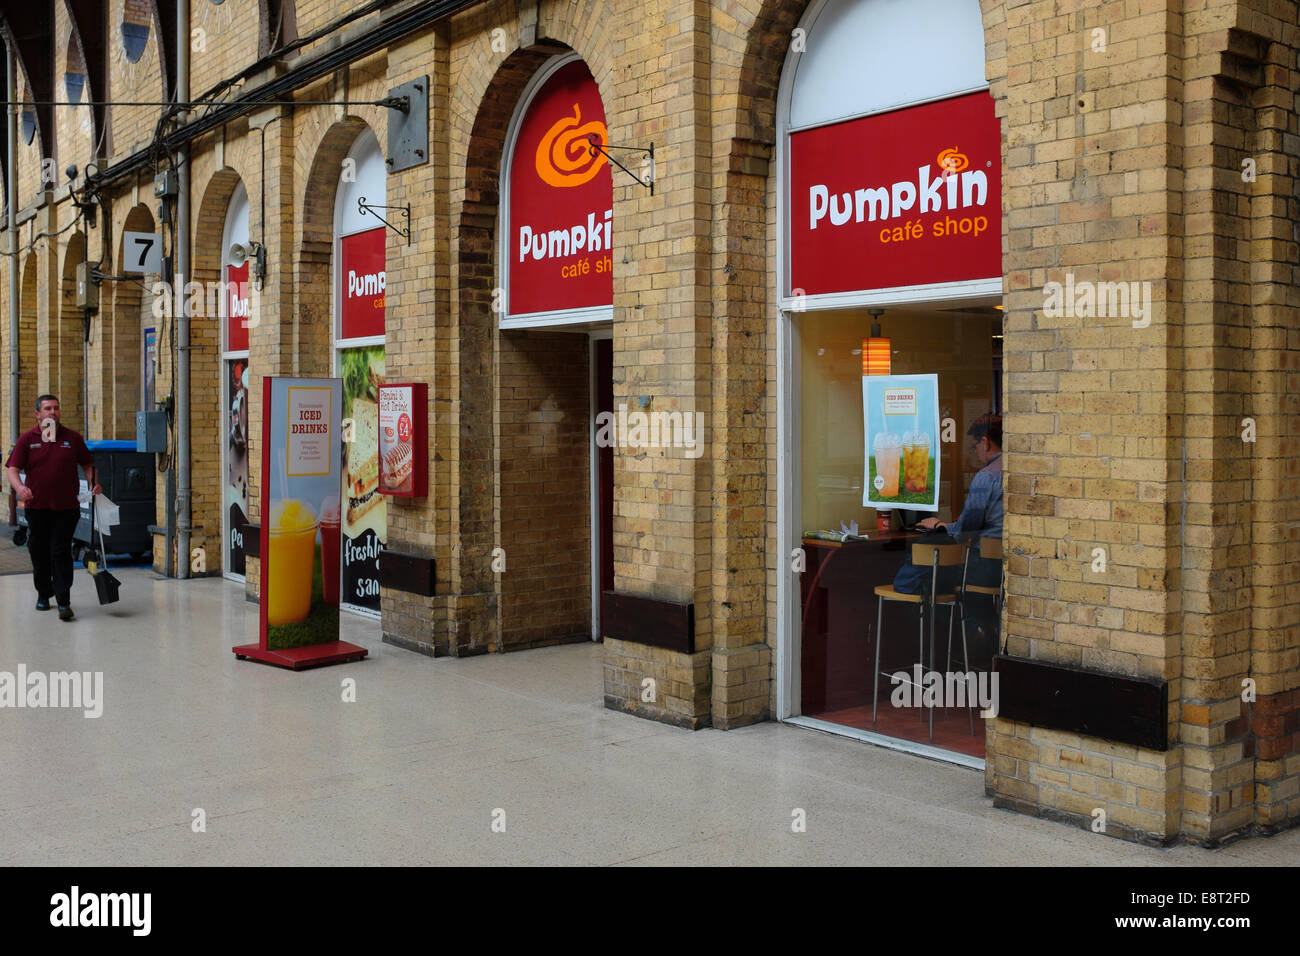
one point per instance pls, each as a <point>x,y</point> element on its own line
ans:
<point>403,438</point>
<point>301,467</point>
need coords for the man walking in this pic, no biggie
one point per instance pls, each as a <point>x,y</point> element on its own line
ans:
<point>49,455</point>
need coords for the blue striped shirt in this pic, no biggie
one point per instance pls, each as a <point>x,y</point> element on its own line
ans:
<point>982,516</point>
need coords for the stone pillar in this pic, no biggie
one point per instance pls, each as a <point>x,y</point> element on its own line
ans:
<point>742,666</point>
<point>416,350</point>
<point>1272,720</point>
<point>662,356</point>
<point>275,341</point>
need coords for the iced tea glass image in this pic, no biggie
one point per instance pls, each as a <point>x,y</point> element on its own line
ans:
<point>888,448</point>
<point>329,549</point>
<point>292,561</point>
<point>916,462</point>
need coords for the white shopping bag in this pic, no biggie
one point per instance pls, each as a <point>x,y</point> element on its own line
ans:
<point>107,514</point>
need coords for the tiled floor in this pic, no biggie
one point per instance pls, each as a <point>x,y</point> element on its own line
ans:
<point>952,727</point>
<point>432,751</point>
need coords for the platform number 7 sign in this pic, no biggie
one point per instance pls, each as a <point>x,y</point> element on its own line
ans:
<point>142,252</point>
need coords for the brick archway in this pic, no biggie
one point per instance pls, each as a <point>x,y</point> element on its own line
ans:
<point>209,426</point>
<point>28,381</point>
<point>121,331</point>
<point>313,325</point>
<point>67,360</point>
<point>474,264</point>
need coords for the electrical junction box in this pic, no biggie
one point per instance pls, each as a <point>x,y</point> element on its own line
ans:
<point>151,432</point>
<point>165,184</point>
<point>87,291</point>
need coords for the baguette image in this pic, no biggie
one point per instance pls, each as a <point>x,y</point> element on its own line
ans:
<point>362,476</point>
<point>399,463</point>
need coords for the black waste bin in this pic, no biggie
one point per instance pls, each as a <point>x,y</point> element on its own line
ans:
<point>127,478</point>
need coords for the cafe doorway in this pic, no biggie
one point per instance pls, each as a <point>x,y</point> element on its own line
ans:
<point>888,192</point>
<point>602,501</point>
<point>555,483</point>
<point>554,365</point>
<point>839,685</point>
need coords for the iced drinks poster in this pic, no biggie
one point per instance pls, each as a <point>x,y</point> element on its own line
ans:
<point>301,468</point>
<point>900,416</point>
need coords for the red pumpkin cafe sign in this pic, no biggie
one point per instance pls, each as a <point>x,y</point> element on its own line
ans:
<point>238,309</point>
<point>361,283</point>
<point>561,200</point>
<point>911,197</point>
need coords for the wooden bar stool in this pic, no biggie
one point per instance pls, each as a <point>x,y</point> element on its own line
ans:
<point>990,550</point>
<point>937,556</point>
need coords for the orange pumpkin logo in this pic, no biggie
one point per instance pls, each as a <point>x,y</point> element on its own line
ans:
<point>564,155</point>
<point>952,162</point>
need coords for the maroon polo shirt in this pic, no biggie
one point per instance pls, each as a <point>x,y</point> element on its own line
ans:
<point>51,467</point>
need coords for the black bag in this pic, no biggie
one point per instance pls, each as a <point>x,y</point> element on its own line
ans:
<point>105,584</point>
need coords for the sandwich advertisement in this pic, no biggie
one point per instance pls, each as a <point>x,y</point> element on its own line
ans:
<point>402,437</point>
<point>299,541</point>
<point>900,415</point>
<point>364,511</point>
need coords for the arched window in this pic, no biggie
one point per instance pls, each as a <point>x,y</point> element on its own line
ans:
<point>890,153</point>
<point>867,56</point>
<point>889,249</point>
<point>557,220</point>
<point>360,277</point>
<point>135,28</point>
<point>27,119</point>
<point>236,316</point>
<point>74,70</point>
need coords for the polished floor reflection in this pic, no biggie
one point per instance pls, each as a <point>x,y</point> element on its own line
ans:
<point>286,772</point>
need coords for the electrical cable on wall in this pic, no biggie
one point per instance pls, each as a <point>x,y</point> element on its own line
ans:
<point>43,235</point>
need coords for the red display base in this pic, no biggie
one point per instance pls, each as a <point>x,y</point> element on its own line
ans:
<point>298,658</point>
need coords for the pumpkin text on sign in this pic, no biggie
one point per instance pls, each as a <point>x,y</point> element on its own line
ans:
<point>910,197</point>
<point>361,281</point>
<point>561,200</point>
<point>237,308</point>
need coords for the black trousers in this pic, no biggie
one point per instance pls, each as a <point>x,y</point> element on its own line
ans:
<point>49,539</point>
<point>914,579</point>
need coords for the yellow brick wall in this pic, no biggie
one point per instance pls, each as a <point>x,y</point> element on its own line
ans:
<point>1128,439</point>
<point>28,155</point>
<point>6,439</point>
<point>132,127</point>
<point>223,40</point>
<point>67,361</point>
<point>75,133</point>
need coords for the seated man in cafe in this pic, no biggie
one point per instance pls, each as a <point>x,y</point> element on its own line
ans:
<point>980,518</point>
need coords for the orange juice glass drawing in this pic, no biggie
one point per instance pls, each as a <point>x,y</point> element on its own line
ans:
<point>888,449</point>
<point>916,462</point>
<point>293,558</point>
